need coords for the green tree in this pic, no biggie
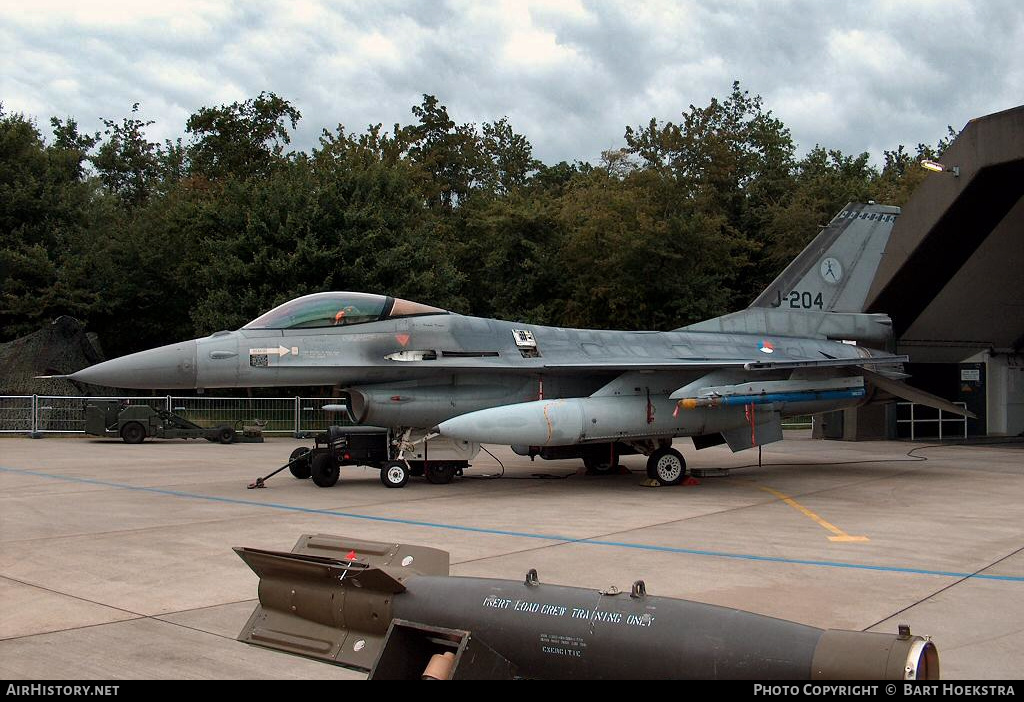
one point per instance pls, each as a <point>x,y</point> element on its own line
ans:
<point>510,156</point>
<point>634,258</point>
<point>243,139</point>
<point>48,208</point>
<point>127,162</point>
<point>824,182</point>
<point>349,217</point>
<point>730,163</point>
<point>505,249</point>
<point>450,154</point>
<point>153,243</point>
<point>73,145</point>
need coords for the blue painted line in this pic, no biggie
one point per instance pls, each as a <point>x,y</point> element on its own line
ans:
<point>520,534</point>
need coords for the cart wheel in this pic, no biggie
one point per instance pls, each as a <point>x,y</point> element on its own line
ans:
<point>225,435</point>
<point>133,433</point>
<point>394,474</point>
<point>440,473</point>
<point>300,469</point>
<point>325,469</point>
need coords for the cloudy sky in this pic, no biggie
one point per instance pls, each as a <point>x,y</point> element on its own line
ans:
<point>569,74</point>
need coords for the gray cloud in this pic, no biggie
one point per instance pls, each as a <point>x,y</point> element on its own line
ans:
<point>571,75</point>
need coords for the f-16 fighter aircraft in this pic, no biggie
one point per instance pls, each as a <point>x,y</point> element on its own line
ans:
<point>435,376</point>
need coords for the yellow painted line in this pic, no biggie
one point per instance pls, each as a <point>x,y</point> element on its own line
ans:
<point>840,535</point>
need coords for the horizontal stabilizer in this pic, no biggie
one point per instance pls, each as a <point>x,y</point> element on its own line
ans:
<point>901,389</point>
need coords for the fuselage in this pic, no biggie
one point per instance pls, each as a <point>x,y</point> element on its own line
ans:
<point>424,369</point>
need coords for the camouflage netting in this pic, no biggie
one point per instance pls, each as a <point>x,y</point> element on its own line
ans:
<point>58,349</point>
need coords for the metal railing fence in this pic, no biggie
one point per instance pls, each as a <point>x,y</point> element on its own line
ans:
<point>37,415</point>
<point>16,413</point>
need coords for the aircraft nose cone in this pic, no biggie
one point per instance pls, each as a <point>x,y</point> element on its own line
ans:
<point>171,367</point>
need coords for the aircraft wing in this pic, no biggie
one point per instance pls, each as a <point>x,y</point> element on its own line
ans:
<point>707,364</point>
<point>891,385</point>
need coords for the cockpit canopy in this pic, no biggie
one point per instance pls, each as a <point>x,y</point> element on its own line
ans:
<point>335,309</point>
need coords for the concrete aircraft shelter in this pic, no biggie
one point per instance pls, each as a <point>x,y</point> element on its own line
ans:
<point>952,279</point>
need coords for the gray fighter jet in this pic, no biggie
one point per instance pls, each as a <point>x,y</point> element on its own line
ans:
<point>802,347</point>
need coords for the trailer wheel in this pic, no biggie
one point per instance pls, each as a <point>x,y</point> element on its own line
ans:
<point>394,474</point>
<point>324,469</point>
<point>300,469</point>
<point>226,435</point>
<point>133,433</point>
<point>440,473</point>
<point>667,466</point>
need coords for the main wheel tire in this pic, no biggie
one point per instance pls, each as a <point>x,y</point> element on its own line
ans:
<point>225,435</point>
<point>325,469</point>
<point>133,433</point>
<point>440,473</point>
<point>601,460</point>
<point>394,474</point>
<point>300,469</point>
<point>667,466</point>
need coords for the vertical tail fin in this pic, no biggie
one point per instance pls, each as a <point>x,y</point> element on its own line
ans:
<point>834,272</point>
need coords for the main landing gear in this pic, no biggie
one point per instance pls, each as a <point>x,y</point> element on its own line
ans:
<point>667,466</point>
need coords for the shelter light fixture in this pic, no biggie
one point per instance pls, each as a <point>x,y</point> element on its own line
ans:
<point>939,168</point>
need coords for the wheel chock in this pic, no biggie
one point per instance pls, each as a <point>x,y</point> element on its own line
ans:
<point>687,482</point>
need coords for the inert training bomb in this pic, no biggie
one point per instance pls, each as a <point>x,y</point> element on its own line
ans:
<point>389,608</point>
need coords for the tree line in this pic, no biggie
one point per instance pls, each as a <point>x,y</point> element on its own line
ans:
<point>151,243</point>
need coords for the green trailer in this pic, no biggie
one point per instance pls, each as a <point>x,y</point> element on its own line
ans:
<point>133,423</point>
